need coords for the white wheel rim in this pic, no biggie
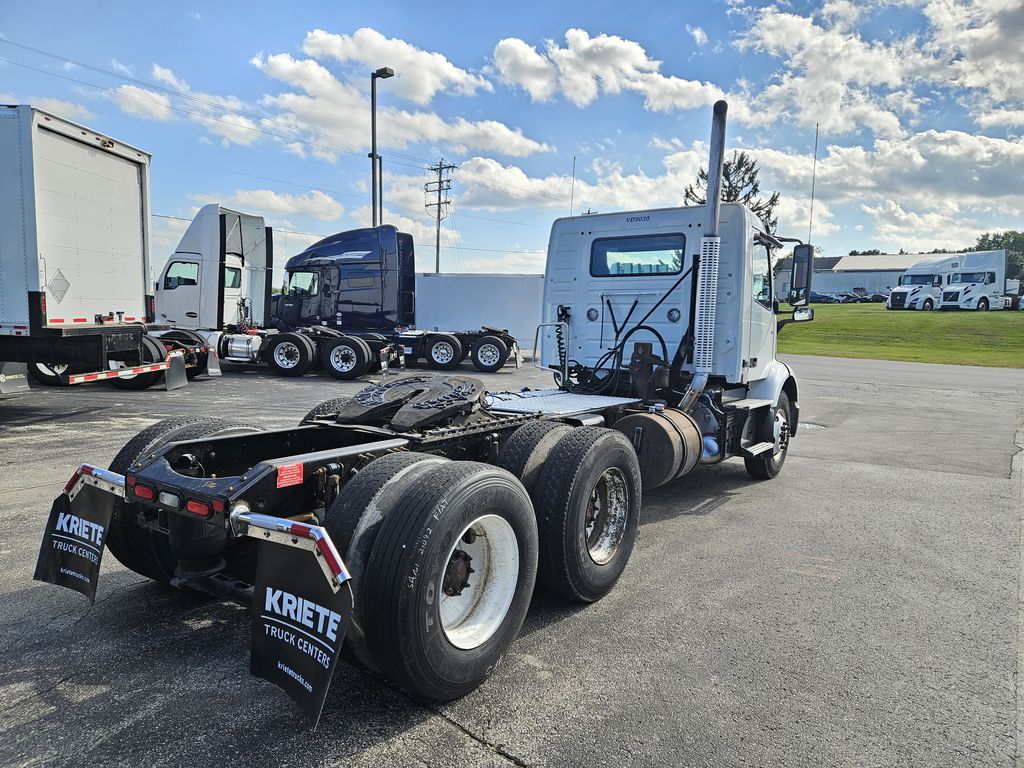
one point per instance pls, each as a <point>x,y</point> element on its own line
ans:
<point>286,354</point>
<point>470,618</point>
<point>488,354</point>
<point>442,352</point>
<point>604,526</point>
<point>52,370</point>
<point>781,429</point>
<point>343,358</point>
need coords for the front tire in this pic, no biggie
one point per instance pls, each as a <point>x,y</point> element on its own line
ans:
<point>768,465</point>
<point>928,305</point>
<point>437,624</point>
<point>983,304</point>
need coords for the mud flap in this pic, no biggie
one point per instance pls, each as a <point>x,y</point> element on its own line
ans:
<point>174,377</point>
<point>302,604</point>
<point>76,531</point>
<point>13,378</point>
<point>213,360</point>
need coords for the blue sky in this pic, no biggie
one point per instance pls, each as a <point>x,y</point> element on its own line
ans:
<point>264,107</point>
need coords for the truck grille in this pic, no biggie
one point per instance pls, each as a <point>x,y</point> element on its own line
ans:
<point>951,295</point>
<point>898,300</point>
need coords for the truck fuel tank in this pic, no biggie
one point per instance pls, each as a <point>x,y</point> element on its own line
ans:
<point>667,442</point>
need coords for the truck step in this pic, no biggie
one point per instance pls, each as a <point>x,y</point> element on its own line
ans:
<point>747,404</point>
<point>757,449</point>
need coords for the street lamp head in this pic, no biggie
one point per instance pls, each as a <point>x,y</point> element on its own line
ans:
<point>384,72</point>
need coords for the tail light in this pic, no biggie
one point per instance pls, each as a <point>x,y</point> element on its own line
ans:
<point>144,491</point>
<point>197,507</point>
<point>150,309</point>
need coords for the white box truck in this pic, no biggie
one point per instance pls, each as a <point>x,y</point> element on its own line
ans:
<point>978,282</point>
<point>74,256</point>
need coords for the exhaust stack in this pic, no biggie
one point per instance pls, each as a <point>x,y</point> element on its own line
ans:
<point>707,270</point>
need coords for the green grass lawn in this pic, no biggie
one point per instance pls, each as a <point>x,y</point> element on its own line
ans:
<point>872,332</point>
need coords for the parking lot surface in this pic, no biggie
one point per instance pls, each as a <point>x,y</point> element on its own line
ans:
<point>861,609</point>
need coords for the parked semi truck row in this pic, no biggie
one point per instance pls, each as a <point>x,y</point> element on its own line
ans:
<point>411,523</point>
<point>975,280</point>
<point>349,304</point>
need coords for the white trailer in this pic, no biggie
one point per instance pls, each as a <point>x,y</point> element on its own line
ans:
<point>920,287</point>
<point>74,254</point>
<point>978,282</point>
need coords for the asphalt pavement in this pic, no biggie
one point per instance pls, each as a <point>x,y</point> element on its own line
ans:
<point>861,609</point>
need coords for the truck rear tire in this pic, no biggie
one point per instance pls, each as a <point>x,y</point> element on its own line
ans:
<point>327,407</point>
<point>139,549</point>
<point>355,517</point>
<point>588,512</point>
<point>767,465</point>
<point>444,352</point>
<point>288,354</point>
<point>489,354</point>
<point>49,374</point>
<point>526,450</point>
<point>450,579</point>
<point>193,340</point>
<point>346,358</point>
<point>152,352</point>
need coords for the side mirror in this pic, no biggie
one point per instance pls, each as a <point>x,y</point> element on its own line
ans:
<point>800,277</point>
<point>803,314</point>
<point>327,290</point>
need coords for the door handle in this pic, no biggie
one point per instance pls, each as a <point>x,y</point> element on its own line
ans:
<point>191,314</point>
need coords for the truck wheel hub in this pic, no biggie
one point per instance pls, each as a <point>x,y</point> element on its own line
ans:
<point>604,525</point>
<point>456,575</point>
<point>489,354</point>
<point>286,355</point>
<point>442,352</point>
<point>343,359</point>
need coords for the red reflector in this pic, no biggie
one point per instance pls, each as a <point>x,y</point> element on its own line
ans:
<point>218,505</point>
<point>72,481</point>
<point>144,492</point>
<point>129,480</point>
<point>197,507</point>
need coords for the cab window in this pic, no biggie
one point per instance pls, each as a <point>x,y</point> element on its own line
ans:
<point>302,284</point>
<point>641,255</point>
<point>181,273</point>
<point>232,277</point>
<point>762,285</point>
<point>360,275</point>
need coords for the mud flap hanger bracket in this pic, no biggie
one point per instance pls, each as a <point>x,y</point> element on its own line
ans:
<point>312,538</point>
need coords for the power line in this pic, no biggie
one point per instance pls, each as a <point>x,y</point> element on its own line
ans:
<point>442,186</point>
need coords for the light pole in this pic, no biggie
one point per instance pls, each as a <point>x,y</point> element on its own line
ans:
<point>383,73</point>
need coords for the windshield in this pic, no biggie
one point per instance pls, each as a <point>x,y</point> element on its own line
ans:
<point>916,280</point>
<point>303,284</point>
<point>969,277</point>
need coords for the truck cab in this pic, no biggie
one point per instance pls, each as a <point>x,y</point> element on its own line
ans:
<point>920,287</point>
<point>224,258</point>
<point>361,280</point>
<point>978,283</point>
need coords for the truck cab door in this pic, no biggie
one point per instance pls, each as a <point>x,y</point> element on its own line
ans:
<point>300,305</point>
<point>178,293</point>
<point>232,289</point>
<point>760,347</point>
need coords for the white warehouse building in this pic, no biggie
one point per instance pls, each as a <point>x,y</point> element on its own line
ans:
<point>872,272</point>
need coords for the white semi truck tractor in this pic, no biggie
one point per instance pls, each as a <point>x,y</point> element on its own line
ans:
<point>412,522</point>
<point>978,282</point>
<point>920,287</point>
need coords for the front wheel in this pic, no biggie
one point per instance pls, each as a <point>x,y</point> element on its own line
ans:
<point>928,305</point>
<point>983,305</point>
<point>767,465</point>
<point>450,579</point>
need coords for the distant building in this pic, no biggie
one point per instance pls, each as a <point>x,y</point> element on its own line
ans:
<point>839,274</point>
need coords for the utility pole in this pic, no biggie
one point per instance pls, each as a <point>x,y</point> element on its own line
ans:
<point>440,187</point>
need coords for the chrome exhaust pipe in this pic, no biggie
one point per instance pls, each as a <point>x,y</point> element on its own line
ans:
<point>707,270</point>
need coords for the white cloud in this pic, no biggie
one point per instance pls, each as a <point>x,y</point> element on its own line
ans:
<point>589,66</point>
<point>419,75</point>
<point>896,228</point>
<point>1007,117</point>
<point>63,108</point>
<point>326,105</point>
<point>317,204</point>
<point>122,69</point>
<point>700,37</point>
<point>142,102</point>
